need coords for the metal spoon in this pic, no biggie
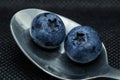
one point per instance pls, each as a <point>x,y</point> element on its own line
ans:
<point>55,62</point>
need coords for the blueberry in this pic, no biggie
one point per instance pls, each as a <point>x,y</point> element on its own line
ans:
<point>83,44</point>
<point>47,30</point>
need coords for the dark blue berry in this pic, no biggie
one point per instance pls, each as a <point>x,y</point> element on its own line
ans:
<point>47,30</point>
<point>83,44</point>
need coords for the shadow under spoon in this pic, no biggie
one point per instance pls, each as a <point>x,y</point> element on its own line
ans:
<point>55,62</point>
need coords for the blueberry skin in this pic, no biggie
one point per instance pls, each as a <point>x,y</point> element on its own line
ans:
<point>83,44</point>
<point>47,30</point>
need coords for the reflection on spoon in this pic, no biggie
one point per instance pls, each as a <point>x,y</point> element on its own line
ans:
<point>55,62</point>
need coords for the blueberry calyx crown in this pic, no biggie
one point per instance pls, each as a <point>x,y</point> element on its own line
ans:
<point>52,23</point>
<point>79,38</point>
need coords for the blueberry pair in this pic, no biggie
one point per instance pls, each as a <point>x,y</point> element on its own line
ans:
<point>82,44</point>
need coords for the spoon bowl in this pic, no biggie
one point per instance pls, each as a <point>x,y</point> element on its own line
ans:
<point>55,62</point>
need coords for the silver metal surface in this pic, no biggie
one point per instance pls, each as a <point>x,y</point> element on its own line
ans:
<point>55,62</point>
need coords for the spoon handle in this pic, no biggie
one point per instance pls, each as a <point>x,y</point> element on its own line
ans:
<point>113,73</point>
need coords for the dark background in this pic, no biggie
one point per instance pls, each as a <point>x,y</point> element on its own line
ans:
<point>103,15</point>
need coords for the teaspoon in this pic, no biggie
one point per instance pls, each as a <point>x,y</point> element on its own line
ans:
<point>55,62</point>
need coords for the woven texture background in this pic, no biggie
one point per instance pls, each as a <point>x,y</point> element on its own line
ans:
<point>103,15</point>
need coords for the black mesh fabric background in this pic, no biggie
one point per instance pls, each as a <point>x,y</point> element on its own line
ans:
<point>103,15</point>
